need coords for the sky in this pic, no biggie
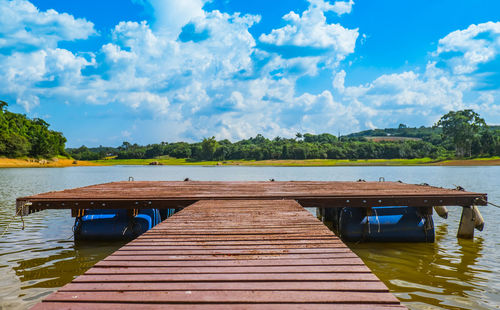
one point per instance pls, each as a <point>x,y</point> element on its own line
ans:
<point>147,71</point>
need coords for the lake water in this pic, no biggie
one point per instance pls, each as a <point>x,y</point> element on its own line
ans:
<point>447,274</point>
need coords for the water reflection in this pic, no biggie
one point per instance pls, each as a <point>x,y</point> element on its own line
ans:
<point>59,268</point>
<point>424,274</point>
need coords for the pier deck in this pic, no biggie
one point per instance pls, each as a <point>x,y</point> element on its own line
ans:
<point>168,194</point>
<point>230,254</point>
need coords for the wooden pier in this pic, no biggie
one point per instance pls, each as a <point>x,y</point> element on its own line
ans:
<point>235,245</point>
<point>230,254</point>
<point>168,194</point>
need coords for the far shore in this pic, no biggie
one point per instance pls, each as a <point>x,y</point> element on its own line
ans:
<point>42,163</point>
<point>65,162</point>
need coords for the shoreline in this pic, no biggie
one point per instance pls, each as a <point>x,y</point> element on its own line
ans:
<point>65,162</point>
<point>42,163</point>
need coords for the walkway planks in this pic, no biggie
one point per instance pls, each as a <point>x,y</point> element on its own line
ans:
<point>230,254</point>
<point>169,194</point>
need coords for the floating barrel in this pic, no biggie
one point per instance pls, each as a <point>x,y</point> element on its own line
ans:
<point>382,224</point>
<point>101,224</point>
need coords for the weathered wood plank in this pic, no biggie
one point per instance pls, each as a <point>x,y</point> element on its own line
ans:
<point>234,277</point>
<point>289,296</point>
<point>143,306</point>
<point>371,286</point>
<point>230,270</point>
<point>230,255</point>
<point>230,263</point>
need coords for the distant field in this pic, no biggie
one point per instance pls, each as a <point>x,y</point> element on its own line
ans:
<point>285,163</point>
<point>41,163</point>
<point>65,162</point>
<point>390,138</point>
<point>492,161</point>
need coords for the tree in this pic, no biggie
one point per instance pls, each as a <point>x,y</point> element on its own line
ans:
<point>181,150</point>
<point>3,105</point>
<point>208,148</point>
<point>461,127</point>
<point>21,136</point>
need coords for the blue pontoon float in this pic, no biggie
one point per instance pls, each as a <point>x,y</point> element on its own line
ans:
<point>102,224</point>
<point>382,224</point>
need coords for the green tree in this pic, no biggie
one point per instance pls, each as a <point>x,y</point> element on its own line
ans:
<point>461,127</point>
<point>181,150</point>
<point>21,136</point>
<point>208,148</point>
<point>3,105</point>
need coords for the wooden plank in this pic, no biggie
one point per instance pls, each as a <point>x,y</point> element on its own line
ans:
<point>198,259</point>
<point>227,257</point>
<point>370,286</point>
<point>160,251</point>
<point>135,246</point>
<point>234,277</point>
<point>232,270</point>
<point>288,296</point>
<point>230,263</point>
<point>143,306</point>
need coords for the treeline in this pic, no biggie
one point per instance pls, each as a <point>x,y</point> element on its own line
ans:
<point>321,146</point>
<point>21,136</point>
<point>457,134</point>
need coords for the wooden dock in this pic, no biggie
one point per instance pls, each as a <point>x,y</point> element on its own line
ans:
<point>168,194</point>
<point>230,254</point>
<point>237,245</point>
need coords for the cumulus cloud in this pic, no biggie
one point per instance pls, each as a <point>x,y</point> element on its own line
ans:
<point>31,62</point>
<point>310,29</point>
<point>449,81</point>
<point>172,15</point>
<point>464,50</point>
<point>42,72</point>
<point>23,26</point>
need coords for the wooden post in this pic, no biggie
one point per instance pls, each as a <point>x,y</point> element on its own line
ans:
<point>22,208</point>
<point>467,223</point>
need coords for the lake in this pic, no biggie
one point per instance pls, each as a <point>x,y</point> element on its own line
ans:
<point>447,274</point>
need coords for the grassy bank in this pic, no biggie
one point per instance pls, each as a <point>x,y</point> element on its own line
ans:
<point>42,163</point>
<point>65,162</point>
<point>494,161</point>
<point>490,161</point>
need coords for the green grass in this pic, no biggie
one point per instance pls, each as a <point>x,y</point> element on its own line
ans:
<point>487,158</point>
<point>163,161</point>
<point>284,163</point>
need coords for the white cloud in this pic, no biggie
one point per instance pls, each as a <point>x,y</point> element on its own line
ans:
<point>342,7</point>
<point>339,80</point>
<point>23,26</point>
<point>172,15</point>
<point>30,60</point>
<point>310,29</point>
<point>42,72</point>
<point>472,46</point>
<point>339,7</point>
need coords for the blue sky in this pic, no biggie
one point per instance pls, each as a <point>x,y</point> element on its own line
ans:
<point>146,71</point>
